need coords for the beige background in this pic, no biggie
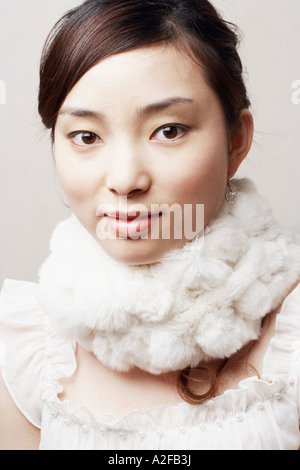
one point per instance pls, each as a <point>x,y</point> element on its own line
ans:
<point>30,196</point>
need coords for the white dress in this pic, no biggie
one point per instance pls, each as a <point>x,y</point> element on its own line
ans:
<point>261,414</point>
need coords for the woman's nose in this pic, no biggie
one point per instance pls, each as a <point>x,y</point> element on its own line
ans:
<point>127,172</point>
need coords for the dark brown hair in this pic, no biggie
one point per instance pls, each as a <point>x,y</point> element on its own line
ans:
<point>98,29</point>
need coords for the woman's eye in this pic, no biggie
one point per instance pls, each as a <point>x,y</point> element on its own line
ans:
<point>84,138</point>
<point>170,132</point>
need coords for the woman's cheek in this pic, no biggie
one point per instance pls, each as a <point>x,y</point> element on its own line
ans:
<point>204,182</point>
<point>78,183</point>
<point>202,175</point>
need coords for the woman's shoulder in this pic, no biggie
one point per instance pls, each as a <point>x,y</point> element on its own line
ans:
<point>17,431</point>
<point>32,351</point>
<point>290,308</point>
<point>283,355</point>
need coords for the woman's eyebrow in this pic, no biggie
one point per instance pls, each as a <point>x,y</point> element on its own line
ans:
<point>161,105</point>
<point>77,112</point>
<point>141,112</point>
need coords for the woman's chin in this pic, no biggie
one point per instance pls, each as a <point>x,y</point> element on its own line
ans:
<point>139,251</point>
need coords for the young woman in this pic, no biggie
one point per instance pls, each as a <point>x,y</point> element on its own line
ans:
<point>155,325</point>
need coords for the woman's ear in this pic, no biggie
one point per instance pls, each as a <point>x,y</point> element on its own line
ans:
<point>240,142</point>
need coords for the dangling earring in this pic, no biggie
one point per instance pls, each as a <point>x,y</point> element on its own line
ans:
<point>231,194</point>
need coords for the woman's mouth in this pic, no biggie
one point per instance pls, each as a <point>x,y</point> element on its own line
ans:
<point>131,226</point>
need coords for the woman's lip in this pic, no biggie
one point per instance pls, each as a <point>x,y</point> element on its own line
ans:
<point>128,216</point>
<point>131,226</point>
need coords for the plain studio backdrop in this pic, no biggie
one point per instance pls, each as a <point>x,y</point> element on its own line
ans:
<point>31,201</point>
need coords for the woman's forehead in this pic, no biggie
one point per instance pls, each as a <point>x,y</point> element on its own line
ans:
<point>150,76</point>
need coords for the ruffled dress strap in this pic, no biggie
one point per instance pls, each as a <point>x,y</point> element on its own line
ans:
<point>27,342</point>
<point>283,355</point>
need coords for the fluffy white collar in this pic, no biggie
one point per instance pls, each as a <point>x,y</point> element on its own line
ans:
<point>194,305</point>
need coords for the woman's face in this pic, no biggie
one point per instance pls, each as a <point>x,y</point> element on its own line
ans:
<point>142,132</point>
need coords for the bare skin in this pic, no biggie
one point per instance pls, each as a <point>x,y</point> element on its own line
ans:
<point>162,141</point>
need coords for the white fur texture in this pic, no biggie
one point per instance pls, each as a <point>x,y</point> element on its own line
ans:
<point>200,302</point>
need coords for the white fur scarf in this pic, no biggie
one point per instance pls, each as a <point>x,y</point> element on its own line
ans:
<point>194,305</point>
